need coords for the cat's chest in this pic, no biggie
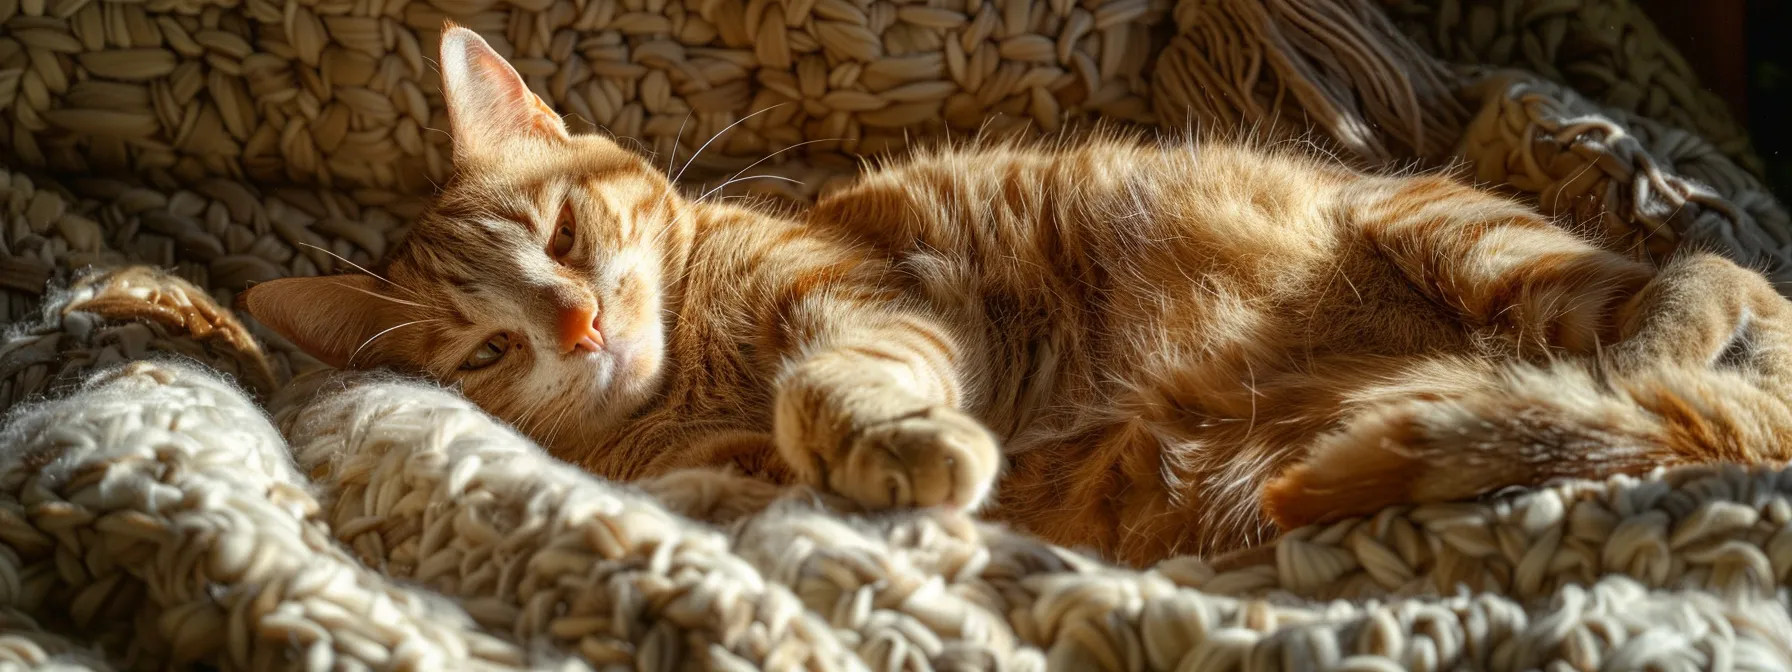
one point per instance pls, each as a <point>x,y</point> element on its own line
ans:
<point>713,410</point>
<point>723,373</point>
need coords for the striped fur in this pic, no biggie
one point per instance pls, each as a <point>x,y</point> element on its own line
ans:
<point>1162,347</point>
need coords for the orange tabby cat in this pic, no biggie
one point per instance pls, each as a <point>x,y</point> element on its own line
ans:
<point>1171,348</point>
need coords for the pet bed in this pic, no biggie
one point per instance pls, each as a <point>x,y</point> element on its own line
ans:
<point>179,489</point>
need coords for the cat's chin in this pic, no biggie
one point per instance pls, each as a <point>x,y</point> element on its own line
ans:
<point>624,374</point>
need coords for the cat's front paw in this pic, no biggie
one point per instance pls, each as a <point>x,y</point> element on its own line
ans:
<point>936,456</point>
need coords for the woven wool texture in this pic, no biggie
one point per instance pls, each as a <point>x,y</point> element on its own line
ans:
<point>342,93</point>
<point>199,493</point>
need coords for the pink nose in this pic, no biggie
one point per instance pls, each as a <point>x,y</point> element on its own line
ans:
<point>578,330</point>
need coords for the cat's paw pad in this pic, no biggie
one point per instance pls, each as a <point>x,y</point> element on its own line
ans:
<point>933,457</point>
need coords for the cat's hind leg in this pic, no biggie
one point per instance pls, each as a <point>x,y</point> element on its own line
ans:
<point>1705,311</point>
<point>1699,374</point>
<point>1523,427</point>
<point>1499,265</point>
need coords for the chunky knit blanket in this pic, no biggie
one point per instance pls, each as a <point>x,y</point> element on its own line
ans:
<point>178,489</point>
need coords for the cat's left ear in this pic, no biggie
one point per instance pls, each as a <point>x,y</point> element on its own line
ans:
<point>488,104</point>
<point>331,317</point>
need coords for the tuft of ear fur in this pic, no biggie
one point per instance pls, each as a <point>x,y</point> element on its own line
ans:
<point>329,317</point>
<point>488,104</point>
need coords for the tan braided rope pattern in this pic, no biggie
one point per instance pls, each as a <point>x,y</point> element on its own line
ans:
<point>219,234</point>
<point>343,93</point>
<point>25,645</point>
<point>1287,67</point>
<point>212,549</point>
<point>144,308</point>
<point>1710,529</point>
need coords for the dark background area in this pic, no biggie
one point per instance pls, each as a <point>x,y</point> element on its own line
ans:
<point>1742,51</point>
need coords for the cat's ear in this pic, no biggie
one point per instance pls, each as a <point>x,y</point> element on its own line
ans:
<point>328,317</point>
<point>488,104</point>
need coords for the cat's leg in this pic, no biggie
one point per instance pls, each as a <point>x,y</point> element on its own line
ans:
<point>1505,268</point>
<point>1704,310</point>
<point>1500,265</point>
<point>871,413</point>
<point>1700,372</point>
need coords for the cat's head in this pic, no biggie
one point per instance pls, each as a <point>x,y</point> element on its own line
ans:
<point>535,281</point>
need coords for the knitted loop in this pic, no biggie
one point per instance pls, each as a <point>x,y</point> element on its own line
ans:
<point>157,510</point>
<point>1606,49</point>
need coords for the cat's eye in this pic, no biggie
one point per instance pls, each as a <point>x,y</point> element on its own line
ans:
<point>488,353</point>
<point>561,245</point>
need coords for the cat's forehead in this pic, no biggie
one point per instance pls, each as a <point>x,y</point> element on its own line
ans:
<point>500,206</point>
<point>484,231</point>
<point>532,192</point>
<point>465,242</point>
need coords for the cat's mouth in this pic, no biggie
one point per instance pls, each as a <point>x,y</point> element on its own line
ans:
<point>616,362</point>
<point>621,355</point>
<point>627,366</point>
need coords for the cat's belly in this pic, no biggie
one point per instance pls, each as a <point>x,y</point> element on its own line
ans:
<point>1136,493</point>
<point>1173,461</point>
<point>1153,436</point>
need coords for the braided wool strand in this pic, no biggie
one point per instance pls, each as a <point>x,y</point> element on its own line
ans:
<point>1718,530</point>
<point>1645,185</point>
<point>424,485</point>
<point>343,95</point>
<point>25,645</point>
<point>158,506</point>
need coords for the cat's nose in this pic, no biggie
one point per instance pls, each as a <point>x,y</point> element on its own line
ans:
<point>578,330</point>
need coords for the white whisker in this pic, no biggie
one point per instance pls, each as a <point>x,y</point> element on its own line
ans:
<point>363,269</point>
<point>675,140</point>
<point>699,152</point>
<point>377,295</point>
<point>749,177</point>
<point>345,260</point>
<point>781,151</point>
<point>364,344</point>
<point>554,428</point>
<point>700,199</point>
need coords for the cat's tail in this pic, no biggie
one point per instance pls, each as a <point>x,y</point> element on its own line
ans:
<point>1527,427</point>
